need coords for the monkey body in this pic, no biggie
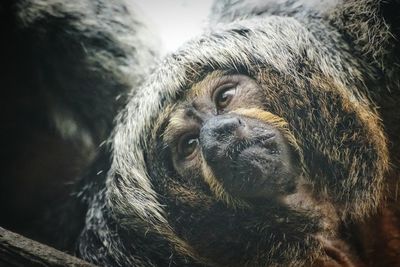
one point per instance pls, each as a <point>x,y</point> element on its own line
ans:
<point>256,144</point>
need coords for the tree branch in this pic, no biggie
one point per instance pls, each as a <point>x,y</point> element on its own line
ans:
<point>19,251</point>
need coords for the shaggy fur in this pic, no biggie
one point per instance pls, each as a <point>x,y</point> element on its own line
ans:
<point>336,92</point>
<point>67,68</point>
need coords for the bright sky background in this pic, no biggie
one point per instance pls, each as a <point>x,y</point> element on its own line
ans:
<point>176,20</point>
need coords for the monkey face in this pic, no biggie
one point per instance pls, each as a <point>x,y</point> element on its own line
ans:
<point>223,132</point>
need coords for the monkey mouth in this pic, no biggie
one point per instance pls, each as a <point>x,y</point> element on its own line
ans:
<point>259,168</point>
<point>266,140</point>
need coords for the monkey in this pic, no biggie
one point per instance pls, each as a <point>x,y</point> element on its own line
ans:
<point>272,139</point>
<point>67,68</point>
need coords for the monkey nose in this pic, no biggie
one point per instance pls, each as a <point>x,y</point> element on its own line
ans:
<point>219,133</point>
<point>225,126</point>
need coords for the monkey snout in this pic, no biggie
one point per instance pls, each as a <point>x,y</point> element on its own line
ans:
<point>225,135</point>
<point>249,157</point>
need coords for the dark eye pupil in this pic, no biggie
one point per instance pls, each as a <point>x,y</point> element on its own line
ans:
<point>188,146</point>
<point>225,97</point>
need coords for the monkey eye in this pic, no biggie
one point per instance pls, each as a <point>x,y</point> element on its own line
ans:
<point>224,95</point>
<point>187,146</point>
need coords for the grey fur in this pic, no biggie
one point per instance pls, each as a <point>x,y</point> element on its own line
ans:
<point>279,37</point>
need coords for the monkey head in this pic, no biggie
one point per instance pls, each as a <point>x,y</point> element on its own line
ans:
<point>242,169</point>
<point>250,145</point>
<point>253,165</point>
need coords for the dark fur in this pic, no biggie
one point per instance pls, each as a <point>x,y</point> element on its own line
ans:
<point>67,67</point>
<point>331,71</point>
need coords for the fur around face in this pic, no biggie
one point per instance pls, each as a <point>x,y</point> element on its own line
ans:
<point>319,74</point>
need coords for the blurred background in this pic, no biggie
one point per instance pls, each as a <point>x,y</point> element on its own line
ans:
<point>176,21</point>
